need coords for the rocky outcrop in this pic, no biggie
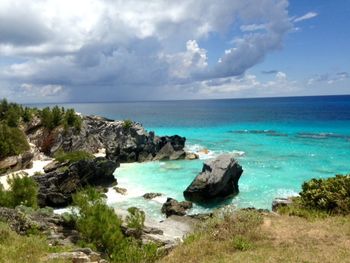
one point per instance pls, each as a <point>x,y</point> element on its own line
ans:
<point>24,220</point>
<point>18,162</point>
<point>217,181</point>
<point>173,207</point>
<point>123,143</point>
<point>281,202</point>
<point>56,187</point>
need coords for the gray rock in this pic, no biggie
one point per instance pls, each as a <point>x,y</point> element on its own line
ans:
<point>18,162</point>
<point>56,187</point>
<point>120,190</point>
<point>54,165</point>
<point>217,181</point>
<point>173,207</point>
<point>151,195</point>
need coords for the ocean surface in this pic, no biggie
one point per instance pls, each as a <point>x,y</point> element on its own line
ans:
<point>280,142</point>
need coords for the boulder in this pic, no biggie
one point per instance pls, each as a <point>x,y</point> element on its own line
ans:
<point>120,190</point>
<point>173,207</point>
<point>217,181</point>
<point>191,156</point>
<point>56,187</point>
<point>54,165</point>
<point>18,162</point>
<point>151,195</point>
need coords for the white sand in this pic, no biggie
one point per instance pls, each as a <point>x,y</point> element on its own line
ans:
<point>37,167</point>
<point>101,153</point>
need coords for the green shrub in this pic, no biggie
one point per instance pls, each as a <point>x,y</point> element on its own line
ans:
<point>331,195</point>
<point>241,243</point>
<point>22,191</point>
<point>13,116</point>
<point>100,228</point>
<point>127,124</point>
<point>135,218</point>
<point>12,141</point>
<point>72,157</point>
<point>57,116</point>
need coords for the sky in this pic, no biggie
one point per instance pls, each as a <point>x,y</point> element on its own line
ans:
<point>113,50</point>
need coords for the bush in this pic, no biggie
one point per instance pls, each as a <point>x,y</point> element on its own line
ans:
<point>127,124</point>
<point>23,191</point>
<point>12,141</point>
<point>135,218</point>
<point>72,157</point>
<point>331,195</point>
<point>100,228</point>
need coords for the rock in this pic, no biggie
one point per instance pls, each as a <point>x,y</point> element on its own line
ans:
<point>191,156</point>
<point>217,181</point>
<point>18,162</point>
<point>151,195</point>
<point>120,190</point>
<point>173,207</point>
<point>80,255</point>
<point>132,144</point>
<point>54,165</point>
<point>23,220</point>
<point>281,202</point>
<point>56,187</point>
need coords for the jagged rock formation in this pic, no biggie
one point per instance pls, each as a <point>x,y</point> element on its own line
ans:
<point>123,143</point>
<point>218,180</point>
<point>56,187</point>
<point>18,162</point>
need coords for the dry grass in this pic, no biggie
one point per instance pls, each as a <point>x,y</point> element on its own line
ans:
<point>277,239</point>
<point>22,249</point>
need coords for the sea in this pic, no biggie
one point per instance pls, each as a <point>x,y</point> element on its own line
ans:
<point>279,142</point>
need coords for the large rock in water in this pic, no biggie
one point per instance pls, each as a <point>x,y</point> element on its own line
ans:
<point>173,207</point>
<point>56,187</point>
<point>217,181</point>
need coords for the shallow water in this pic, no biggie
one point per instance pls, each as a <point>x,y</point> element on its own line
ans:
<point>280,143</point>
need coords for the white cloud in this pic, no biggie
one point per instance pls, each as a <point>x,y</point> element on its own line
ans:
<point>128,49</point>
<point>307,16</point>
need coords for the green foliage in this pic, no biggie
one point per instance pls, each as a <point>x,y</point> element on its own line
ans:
<point>13,116</point>
<point>72,157</point>
<point>298,209</point>
<point>241,243</point>
<point>100,228</point>
<point>135,218</point>
<point>57,116</point>
<point>127,124</point>
<point>47,118</point>
<point>12,141</point>
<point>23,191</point>
<point>27,114</point>
<point>331,195</point>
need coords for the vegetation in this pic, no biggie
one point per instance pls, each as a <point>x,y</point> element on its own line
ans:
<point>72,157</point>
<point>127,124</point>
<point>22,191</point>
<point>13,116</point>
<point>136,218</point>
<point>100,229</point>
<point>331,195</point>
<point>16,248</point>
<point>12,141</point>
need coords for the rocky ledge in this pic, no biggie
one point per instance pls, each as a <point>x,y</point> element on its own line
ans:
<point>57,186</point>
<point>124,141</point>
<point>217,181</point>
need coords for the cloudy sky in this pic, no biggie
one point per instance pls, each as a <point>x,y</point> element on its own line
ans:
<point>110,50</point>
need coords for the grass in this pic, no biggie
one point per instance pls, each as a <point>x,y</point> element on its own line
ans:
<point>16,248</point>
<point>252,237</point>
<point>72,157</point>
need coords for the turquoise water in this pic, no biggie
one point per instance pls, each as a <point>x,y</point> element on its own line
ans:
<point>279,142</point>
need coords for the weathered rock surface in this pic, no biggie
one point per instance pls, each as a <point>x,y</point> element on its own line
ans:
<point>80,255</point>
<point>173,207</point>
<point>18,162</point>
<point>281,202</point>
<point>56,187</point>
<point>151,195</point>
<point>217,181</point>
<point>23,220</point>
<point>120,190</point>
<point>122,144</point>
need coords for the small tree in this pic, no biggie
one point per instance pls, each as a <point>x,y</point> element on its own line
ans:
<point>56,116</point>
